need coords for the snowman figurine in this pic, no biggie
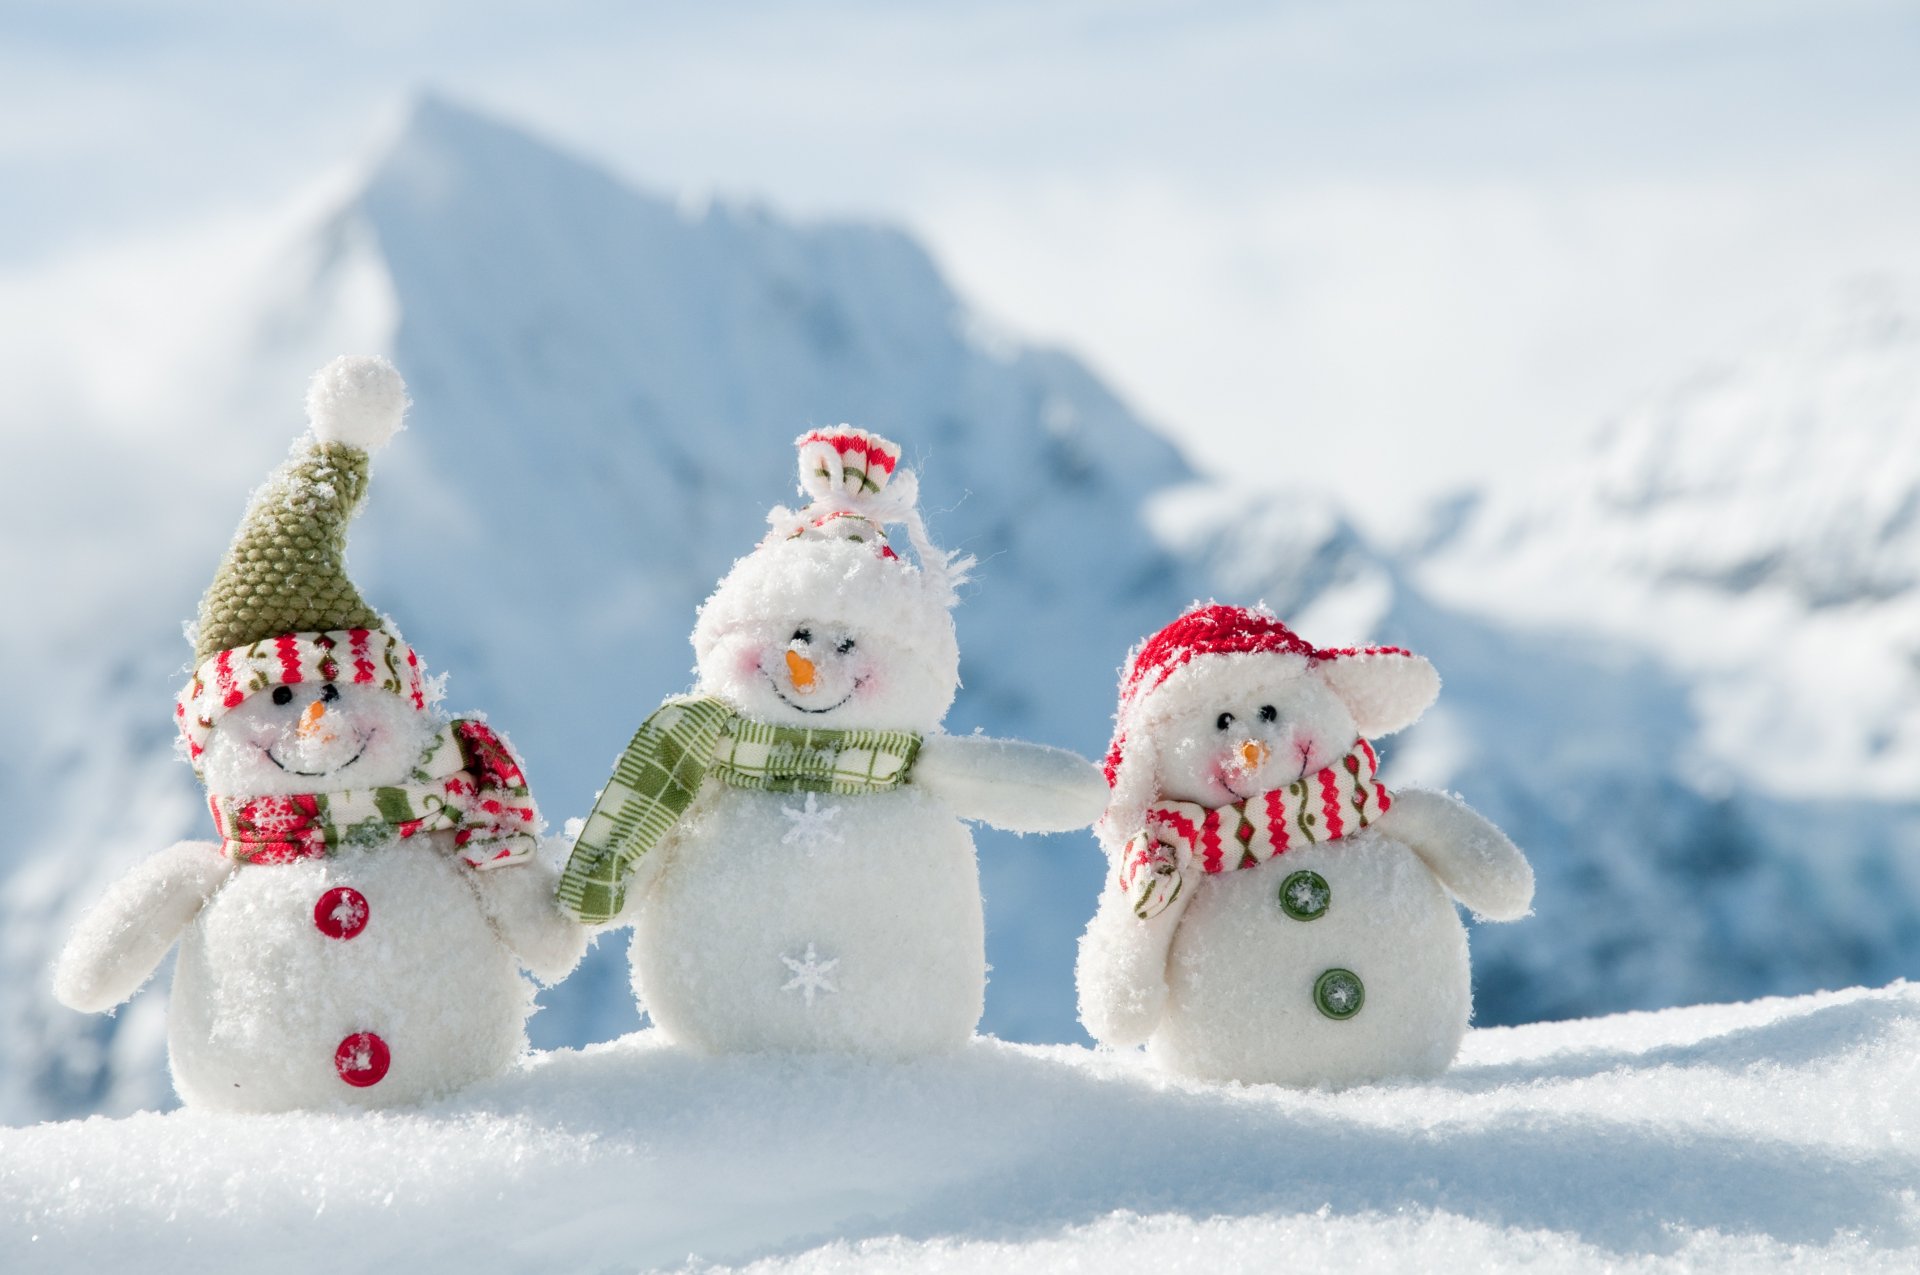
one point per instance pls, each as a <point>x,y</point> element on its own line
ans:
<point>1275,914</point>
<point>787,841</point>
<point>355,937</point>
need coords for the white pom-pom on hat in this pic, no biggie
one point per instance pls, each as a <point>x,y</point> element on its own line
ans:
<point>358,399</point>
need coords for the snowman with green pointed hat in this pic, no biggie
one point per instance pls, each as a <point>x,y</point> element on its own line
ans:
<point>356,934</point>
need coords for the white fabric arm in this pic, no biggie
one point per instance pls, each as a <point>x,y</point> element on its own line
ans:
<point>1121,973</point>
<point>520,902</point>
<point>1011,784</point>
<point>1472,858</point>
<point>122,939</point>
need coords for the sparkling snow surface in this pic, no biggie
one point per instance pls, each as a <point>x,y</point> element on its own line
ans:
<point>1771,1135</point>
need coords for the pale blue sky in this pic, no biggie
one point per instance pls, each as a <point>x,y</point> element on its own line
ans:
<point>1468,228</point>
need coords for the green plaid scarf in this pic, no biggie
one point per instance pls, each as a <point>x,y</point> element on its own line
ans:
<point>686,741</point>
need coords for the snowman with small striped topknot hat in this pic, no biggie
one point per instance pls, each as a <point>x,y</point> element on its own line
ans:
<point>356,935</point>
<point>1274,913</point>
<point>787,841</point>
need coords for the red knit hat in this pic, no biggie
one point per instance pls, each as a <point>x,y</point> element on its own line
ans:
<point>1385,687</point>
<point>1206,630</point>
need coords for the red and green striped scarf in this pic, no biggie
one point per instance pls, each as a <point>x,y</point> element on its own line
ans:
<point>1325,806</point>
<point>468,782</point>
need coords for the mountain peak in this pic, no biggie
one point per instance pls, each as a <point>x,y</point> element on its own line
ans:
<point>447,152</point>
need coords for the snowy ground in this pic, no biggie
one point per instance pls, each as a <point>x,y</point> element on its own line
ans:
<point>1782,1133</point>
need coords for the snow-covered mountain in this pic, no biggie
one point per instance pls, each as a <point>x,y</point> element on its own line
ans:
<point>607,384</point>
<point>1759,526</point>
<point>1743,551</point>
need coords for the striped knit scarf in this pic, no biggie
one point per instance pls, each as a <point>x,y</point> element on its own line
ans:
<point>690,739</point>
<point>467,782</point>
<point>1325,806</point>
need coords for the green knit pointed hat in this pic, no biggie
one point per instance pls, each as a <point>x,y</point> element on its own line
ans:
<point>285,572</point>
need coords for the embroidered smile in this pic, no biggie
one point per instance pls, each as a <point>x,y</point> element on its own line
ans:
<point>858,682</point>
<point>314,774</point>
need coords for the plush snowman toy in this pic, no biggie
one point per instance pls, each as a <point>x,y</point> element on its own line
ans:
<point>1276,915</point>
<point>787,841</point>
<point>355,936</point>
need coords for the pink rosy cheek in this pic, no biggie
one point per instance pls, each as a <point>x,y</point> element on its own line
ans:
<point>1229,775</point>
<point>747,662</point>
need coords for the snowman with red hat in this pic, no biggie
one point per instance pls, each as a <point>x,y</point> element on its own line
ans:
<point>355,936</point>
<point>1274,913</point>
<point>788,840</point>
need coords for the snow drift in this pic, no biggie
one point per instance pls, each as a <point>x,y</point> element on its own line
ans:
<point>1774,1135</point>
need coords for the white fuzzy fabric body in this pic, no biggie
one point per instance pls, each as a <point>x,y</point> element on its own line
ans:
<point>883,886</point>
<point>1220,979</point>
<point>1240,972</point>
<point>262,998</point>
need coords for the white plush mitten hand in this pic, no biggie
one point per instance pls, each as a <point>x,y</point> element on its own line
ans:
<point>1472,857</point>
<point>1011,784</point>
<point>519,900</point>
<point>1121,973</point>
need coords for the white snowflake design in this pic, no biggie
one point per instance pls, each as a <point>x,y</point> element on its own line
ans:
<point>1306,896</point>
<point>809,974</point>
<point>812,824</point>
<point>348,912</point>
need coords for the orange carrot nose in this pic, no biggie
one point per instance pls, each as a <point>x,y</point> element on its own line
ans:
<point>310,720</point>
<point>1252,754</point>
<point>800,669</point>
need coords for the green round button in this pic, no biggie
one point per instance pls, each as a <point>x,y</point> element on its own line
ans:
<point>1304,896</point>
<point>1339,994</point>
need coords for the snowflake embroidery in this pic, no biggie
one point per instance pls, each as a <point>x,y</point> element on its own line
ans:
<point>812,824</point>
<point>809,974</point>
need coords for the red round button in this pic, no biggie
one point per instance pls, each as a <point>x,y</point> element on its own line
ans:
<point>341,912</point>
<point>362,1059</point>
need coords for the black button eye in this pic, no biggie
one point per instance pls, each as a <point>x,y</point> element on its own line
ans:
<point>1267,713</point>
<point>329,692</point>
<point>845,647</point>
<point>283,695</point>
<point>803,635</point>
<point>1223,721</point>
